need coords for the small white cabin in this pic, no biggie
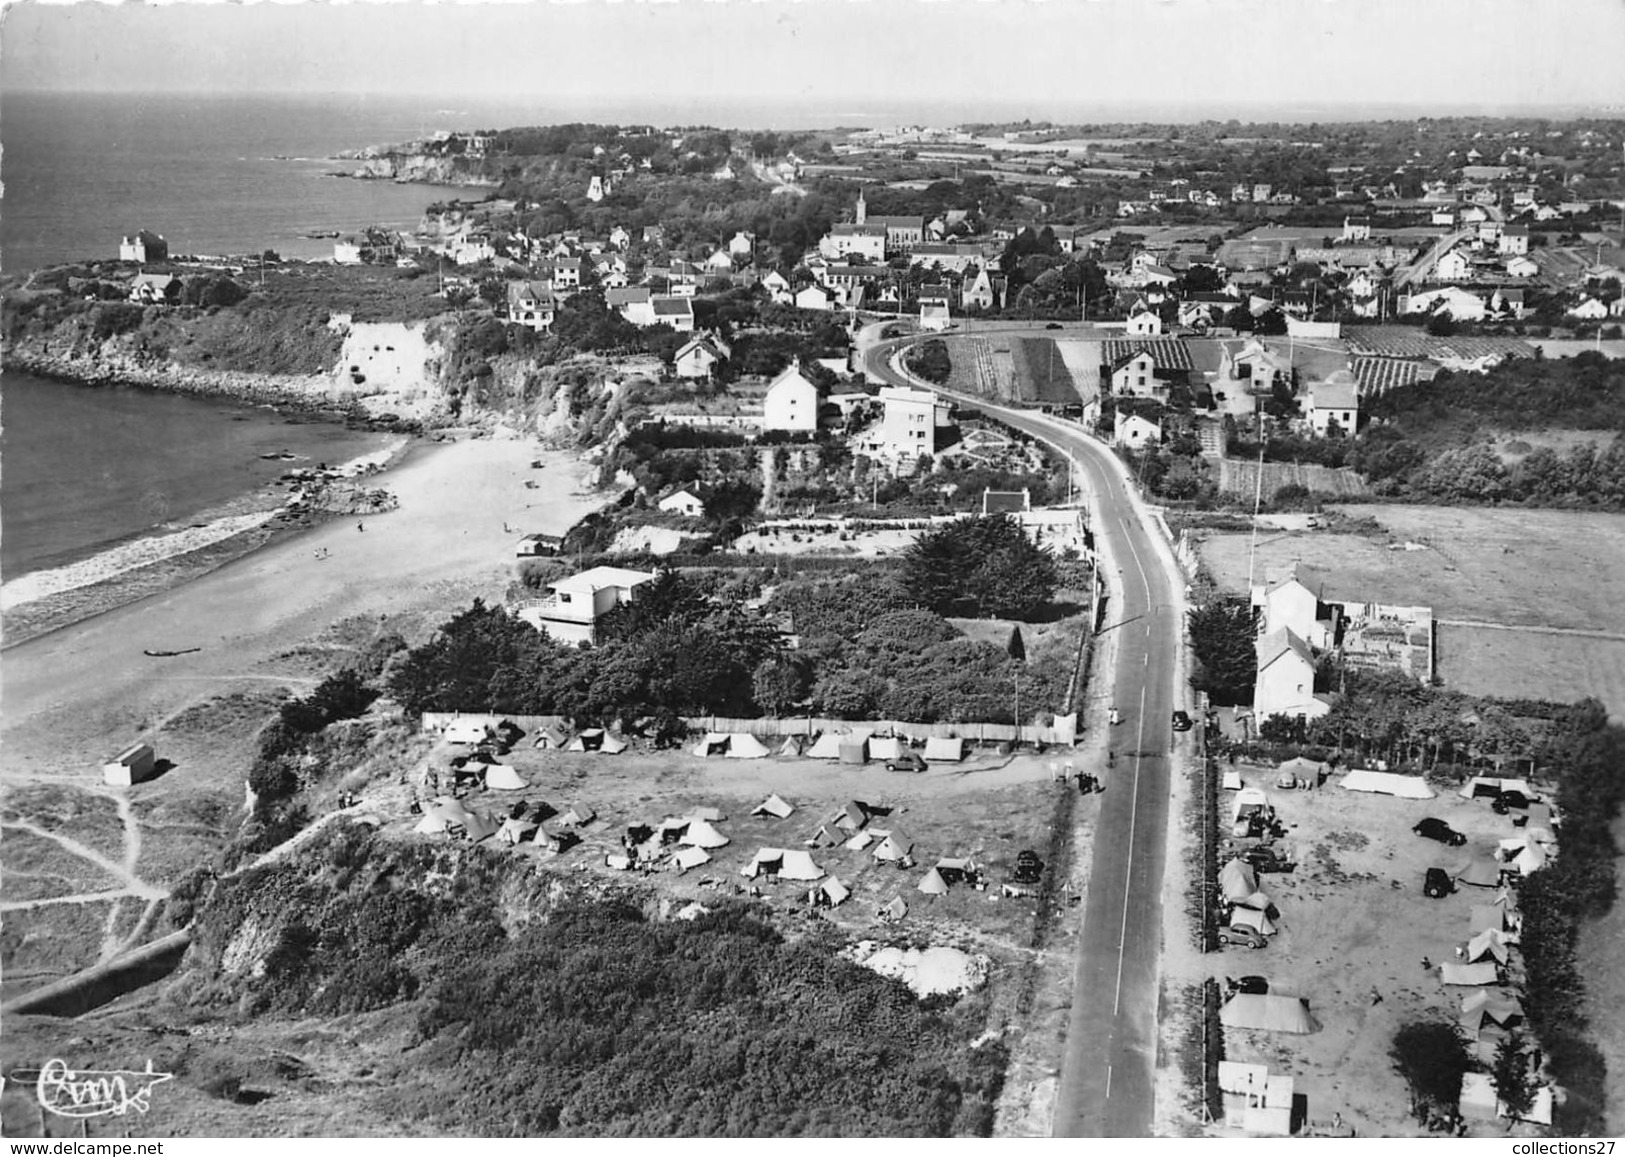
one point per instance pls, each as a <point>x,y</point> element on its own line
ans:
<point>131,766</point>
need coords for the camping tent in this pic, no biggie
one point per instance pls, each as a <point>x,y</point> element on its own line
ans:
<point>1540,823</point>
<point>504,778</point>
<point>1387,783</point>
<point>714,743</point>
<point>1484,916</point>
<point>1299,771</point>
<point>555,841</point>
<point>1253,918</point>
<point>1478,1097</point>
<point>832,891</point>
<point>711,815</point>
<point>863,839</point>
<point>773,806</point>
<point>896,910</point>
<point>701,834</point>
<point>1483,871</point>
<point>792,745</point>
<point>1238,880</point>
<point>887,748</point>
<point>1489,785</point>
<point>799,865</point>
<point>431,824</point>
<point>618,860</point>
<point>1489,943</point>
<point>933,884</point>
<point>554,738</point>
<point>825,838</point>
<point>1249,800</point>
<point>1482,1009</point>
<point>578,816</point>
<point>1269,1012</point>
<point>787,864</point>
<point>612,744</point>
<point>1531,859</point>
<point>744,745</point>
<point>1467,973</point>
<point>589,739</point>
<point>686,858</point>
<point>854,750</point>
<point>1066,729</point>
<point>514,831</point>
<point>827,747</point>
<point>853,816</point>
<point>478,827</point>
<point>944,750</point>
<point>1232,780</point>
<point>893,848</point>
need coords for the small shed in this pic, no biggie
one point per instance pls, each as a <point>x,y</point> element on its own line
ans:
<point>949,750</point>
<point>130,766</point>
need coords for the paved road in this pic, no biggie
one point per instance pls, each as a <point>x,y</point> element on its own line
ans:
<point>1108,1070</point>
<point>1422,267</point>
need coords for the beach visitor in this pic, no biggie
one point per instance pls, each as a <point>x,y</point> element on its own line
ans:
<point>358,526</point>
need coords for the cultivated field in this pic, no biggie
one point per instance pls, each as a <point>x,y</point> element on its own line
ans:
<point>1505,567</point>
<point>1240,476</point>
<point>1355,928</point>
<point>1043,373</point>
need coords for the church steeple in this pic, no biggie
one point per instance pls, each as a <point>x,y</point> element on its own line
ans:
<point>863,210</point>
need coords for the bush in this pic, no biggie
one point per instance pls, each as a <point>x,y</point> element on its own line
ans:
<point>929,360</point>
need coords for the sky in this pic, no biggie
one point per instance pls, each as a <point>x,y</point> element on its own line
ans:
<point>1227,54</point>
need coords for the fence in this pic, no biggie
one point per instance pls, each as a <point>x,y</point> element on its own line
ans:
<point>1063,731</point>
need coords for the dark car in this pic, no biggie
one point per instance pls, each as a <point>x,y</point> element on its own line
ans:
<point>907,761</point>
<point>1438,884</point>
<point>1253,985</point>
<point>1508,800</point>
<point>1267,859</point>
<point>1246,937</point>
<point>1182,721</point>
<point>1028,868</point>
<point>1054,325</point>
<point>1432,829</point>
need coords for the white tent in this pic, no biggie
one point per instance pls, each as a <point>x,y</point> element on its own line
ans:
<point>590,739</point>
<point>1268,1011</point>
<point>799,865</point>
<point>854,749</point>
<point>686,858</point>
<point>896,910</point>
<point>773,806</point>
<point>501,777</point>
<point>1467,973</point>
<point>714,743</point>
<point>1249,799</point>
<point>933,884</point>
<point>1531,859</point>
<point>944,750</point>
<point>1483,871</point>
<point>825,838</point>
<point>701,834</point>
<point>863,839</point>
<point>1237,880</point>
<point>1252,918</point>
<point>1484,916</point>
<point>887,748</point>
<point>578,816</point>
<point>1232,780</point>
<point>1487,944</point>
<point>1478,1099</point>
<point>827,747</point>
<point>613,744</point>
<point>832,890</point>
<point>744,745</point>
<point>620,861</point>
<point>792,745</point>
<point>787,864</point>
<point>479,827</point>
<point>514,831</point>
<point>1066,729</point>
<point>893,848</point>
<point>853,816</point>
<point>431,824</point>
<point>1387,783</point>
<point>1299,771</point>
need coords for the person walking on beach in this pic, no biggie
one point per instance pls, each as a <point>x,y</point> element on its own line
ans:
<point>359,526</point>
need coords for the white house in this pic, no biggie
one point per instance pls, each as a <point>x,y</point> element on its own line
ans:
<point>635,304</point>
<point>1135,375</point>
<point>1453,266</point>
<point>696,357</point>
<point>742,244</point>
<point>791,403</point>
<point>687,502</point>
<point>1292,599</point>
<point>597,188</point>
<point>1591,309</point>
<point>1336,399</point>
<point>619,237</point>
<point>530,304</point>
<point>347,251</point>
<point>720,261</point>
<point>154,288</point>
<point>777,286</point>
<point>909,422</point>
<point>675,311</point>
<point>473,251</point>
<point>814,297</point>
<point>1145,323</point>
<point>570,614</point>
<point>143,247</point>
<point>1286,679</point>
<point>1521,266</point>
<point>1133,430</point>
<point>934,313</point>
<point>1461,305</point>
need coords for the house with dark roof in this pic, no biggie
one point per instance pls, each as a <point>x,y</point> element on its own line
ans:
<point>530,304</point>
<point>696,357</point>
<point>677,312</point>
<point>1286,679</point>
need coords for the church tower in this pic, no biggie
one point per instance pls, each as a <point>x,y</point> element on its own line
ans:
<point>863,210</point>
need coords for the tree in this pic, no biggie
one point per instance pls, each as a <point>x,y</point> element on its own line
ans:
<point>1511,1075</point>
<point>779,684</point>
<point>1441,324</point>
<point>1432,1058</point>
<point>1222,635</point>
<point>981,567</point>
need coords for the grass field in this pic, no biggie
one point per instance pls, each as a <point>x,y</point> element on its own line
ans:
<point>1509,567</point>
<point>1042,372</point>
<point>1240,476</point>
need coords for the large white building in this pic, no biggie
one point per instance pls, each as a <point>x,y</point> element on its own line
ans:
<point>571,613</point>
<point>791,403</point>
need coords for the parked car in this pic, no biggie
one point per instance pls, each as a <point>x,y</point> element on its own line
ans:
<point>1246,937</point>
<point>1435,829</point>
<point>1255,985</point>
<point>907,761</point>
<point>1508,800</point>
<point>1054,325</point>
<point>1438,884</point>
<point>1267,859</point>
<point>1028,868</point>
<point>1182,721</point>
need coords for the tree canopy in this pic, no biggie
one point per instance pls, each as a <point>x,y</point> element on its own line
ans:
<point>979,568</point>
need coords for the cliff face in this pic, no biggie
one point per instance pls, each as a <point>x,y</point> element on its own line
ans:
<point>418,168</point>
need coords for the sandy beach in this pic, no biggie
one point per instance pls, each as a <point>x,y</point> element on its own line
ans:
<point>75,695</point>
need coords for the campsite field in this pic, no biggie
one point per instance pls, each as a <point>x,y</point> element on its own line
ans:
<point>1354,929</point>
<point>1508,568</point>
